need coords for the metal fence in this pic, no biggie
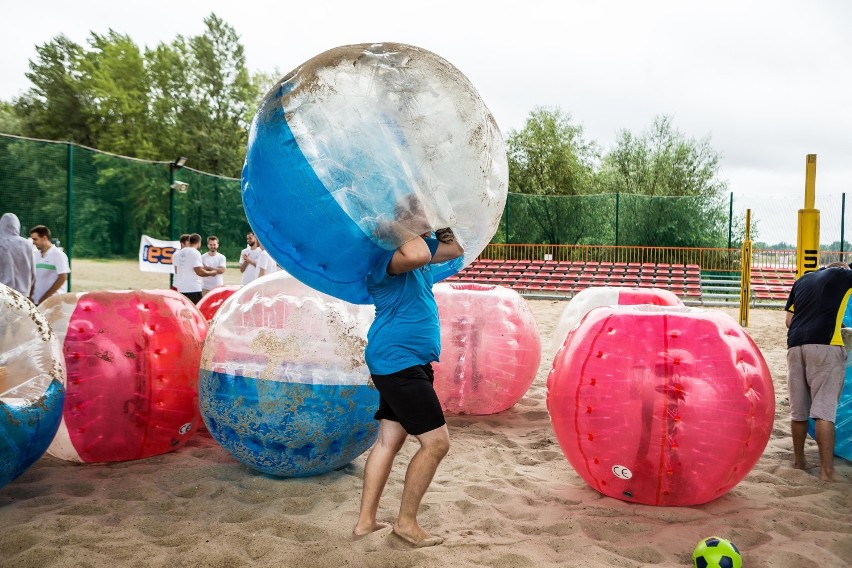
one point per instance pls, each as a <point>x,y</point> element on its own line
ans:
<point>98,204</point>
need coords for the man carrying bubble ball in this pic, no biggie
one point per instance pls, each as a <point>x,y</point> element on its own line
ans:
<point>403,341</point>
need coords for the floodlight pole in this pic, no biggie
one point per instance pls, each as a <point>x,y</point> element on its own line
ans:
<point>173,167</point>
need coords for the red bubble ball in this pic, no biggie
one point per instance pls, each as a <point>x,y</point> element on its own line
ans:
<point>660,405</point>
<point>132,360</point>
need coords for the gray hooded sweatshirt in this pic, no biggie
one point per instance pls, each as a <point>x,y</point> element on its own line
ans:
<point>17,269</point>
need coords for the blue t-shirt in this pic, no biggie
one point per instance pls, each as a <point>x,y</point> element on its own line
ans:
<point>406,331</point>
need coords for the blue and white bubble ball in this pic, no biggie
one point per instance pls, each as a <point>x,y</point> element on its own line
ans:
<point>360,149</point>
<point>283,384</point>
<point>32,384</point>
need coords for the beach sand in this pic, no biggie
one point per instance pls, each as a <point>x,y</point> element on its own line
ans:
<point>505,496</point>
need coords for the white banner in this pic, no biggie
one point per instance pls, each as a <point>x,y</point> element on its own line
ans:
<point>156,255</point>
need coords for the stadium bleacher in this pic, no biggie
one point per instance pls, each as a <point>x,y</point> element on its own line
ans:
<point>566,278</point>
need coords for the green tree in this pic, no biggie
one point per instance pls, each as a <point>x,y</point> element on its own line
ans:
<point>9,121</point>
<point>56,108</point>
<point>835,246</point>
<point>115,80</point>
<point>193,97</point>
<point>550,164</point>
<point>671,193</point>
<point>549,155</point>
<point>203,98</point>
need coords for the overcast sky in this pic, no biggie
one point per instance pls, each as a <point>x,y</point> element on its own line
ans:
<point>768,80</point>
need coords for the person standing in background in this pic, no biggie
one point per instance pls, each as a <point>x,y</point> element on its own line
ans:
<point>189,270</point>
<point>213,260</point>
<point>17,262</point>
<point>252,260</point>
<point>51,266</point>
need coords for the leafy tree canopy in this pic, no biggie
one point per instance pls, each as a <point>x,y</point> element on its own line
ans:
<point>193,97</point>
<point>662,161</point>
<point>549,155</point>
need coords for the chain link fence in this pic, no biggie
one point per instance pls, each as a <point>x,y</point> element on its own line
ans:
<point>98,205</point>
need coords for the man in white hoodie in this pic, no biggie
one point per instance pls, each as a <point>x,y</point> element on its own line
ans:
<point>17,267</point>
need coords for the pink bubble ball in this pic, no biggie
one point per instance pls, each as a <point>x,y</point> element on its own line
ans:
<point>132,360</point>
<point>490,348</point>
<point>590,298</point>
<point>660,405</point>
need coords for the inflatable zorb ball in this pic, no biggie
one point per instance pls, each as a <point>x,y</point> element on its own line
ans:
<point>590,298</point>
<point>660,405</point>
<point>360,149</point>
<point>490,348</point>
<point>31,384</point>
<point>283,386</point>
<point>210,304</point>
<point>132,359</point>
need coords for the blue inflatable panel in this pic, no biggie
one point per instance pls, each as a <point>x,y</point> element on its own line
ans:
<point>843,422</point>
<point>26,431</point>
<point>301,203</point>
<point>288,429</point>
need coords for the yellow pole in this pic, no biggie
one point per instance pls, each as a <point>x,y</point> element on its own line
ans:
<point>810,181</point>
<point>807,238</point>
<point>745,277</point>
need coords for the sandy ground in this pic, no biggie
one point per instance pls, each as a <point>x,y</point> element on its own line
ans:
<point>504,497</point>
<point>125,275</point>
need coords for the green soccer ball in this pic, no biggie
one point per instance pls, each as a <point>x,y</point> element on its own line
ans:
<point>716,552</point>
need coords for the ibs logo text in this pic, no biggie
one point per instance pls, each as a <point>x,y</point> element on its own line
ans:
<point>159,255</point>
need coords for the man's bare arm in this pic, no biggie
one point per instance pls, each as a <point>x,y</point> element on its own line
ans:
<point>448,247</point>
<point>410,256</point>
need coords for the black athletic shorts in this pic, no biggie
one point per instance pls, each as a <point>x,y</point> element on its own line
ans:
<point>194,297</point>
<point>409,398</point>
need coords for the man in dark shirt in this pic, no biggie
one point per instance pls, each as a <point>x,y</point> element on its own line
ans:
<point>816,359</point>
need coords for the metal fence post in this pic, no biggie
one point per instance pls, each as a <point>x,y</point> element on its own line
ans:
<point>69,207</point>
<point>508,199</point>
<point>842,221</point>
<point>731,220</point>
<point>617,202</point>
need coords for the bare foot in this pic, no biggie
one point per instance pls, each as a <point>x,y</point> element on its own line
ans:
<point>800,465</point>
<point>360,531</point>
<point>826,476</point>
<point>417,537</point>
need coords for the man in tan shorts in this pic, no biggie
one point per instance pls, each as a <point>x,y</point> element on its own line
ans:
<point>816,359</point>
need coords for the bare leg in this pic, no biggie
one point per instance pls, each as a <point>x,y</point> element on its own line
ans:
<point>825,443</point>
<point>799,428</point>
<point>391,437</point>
<point>434,445</point>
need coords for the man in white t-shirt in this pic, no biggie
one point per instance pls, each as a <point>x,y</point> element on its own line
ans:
<point>253,263</point>
<point>51,266</point>
<point>189,269</point>
<point>213,260</point>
